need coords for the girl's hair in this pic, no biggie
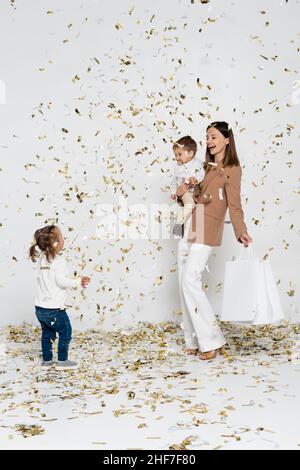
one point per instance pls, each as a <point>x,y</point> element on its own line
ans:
<point>230,157</point>
<point>44,238</point>
<point>186,142</point>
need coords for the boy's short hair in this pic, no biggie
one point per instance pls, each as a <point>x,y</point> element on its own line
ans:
<point>187,142</point>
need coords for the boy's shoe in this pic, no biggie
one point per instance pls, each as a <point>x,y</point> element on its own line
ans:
<point>47,364</point>
<point>65,365</point>
<point>178,229</point>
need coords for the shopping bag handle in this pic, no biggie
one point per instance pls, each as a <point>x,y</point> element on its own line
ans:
<point>246,252</point>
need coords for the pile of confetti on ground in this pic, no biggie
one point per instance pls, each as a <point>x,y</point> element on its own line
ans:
<point>148,368</point>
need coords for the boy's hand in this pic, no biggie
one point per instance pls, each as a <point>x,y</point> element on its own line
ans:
<point>182,189</point>
<point>193,181</point>
<point>85,280</point>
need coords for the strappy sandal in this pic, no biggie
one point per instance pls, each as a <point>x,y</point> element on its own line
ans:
<point>206,356</point>
<point>191,352</point>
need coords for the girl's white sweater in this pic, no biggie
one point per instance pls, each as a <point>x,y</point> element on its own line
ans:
<point>52,282</point>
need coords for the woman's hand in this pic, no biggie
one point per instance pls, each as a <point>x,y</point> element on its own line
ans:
<point>182,189</point>
<point>245,239</point>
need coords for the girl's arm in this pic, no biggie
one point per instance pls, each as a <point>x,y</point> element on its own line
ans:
<point>61,275</point>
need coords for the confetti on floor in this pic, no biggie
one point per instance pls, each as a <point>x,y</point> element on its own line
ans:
<point>136,388</point>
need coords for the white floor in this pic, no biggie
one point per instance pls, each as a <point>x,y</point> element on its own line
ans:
<point>138,390</point>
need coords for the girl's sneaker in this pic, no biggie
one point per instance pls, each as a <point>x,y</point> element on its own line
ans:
<point>65,365</point>
<point>47,364</point>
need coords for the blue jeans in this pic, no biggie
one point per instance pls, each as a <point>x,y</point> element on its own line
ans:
<point>54,320</point>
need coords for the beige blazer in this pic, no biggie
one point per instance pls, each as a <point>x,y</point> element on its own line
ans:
<point>220,189</point>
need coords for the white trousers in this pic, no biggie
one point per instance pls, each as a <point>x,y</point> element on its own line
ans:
<point>200,327</point>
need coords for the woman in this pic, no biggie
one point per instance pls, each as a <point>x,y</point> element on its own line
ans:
<point>219,190</point>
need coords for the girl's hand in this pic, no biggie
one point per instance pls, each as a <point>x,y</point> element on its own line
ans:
<point>85,280</point>
<point>245,239</point>
<point>182,189</point>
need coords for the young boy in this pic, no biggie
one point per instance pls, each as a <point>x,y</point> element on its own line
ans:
<point>188,170</point>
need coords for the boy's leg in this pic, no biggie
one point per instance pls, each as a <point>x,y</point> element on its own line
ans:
<point>186,210</point>
<point>64,329</point>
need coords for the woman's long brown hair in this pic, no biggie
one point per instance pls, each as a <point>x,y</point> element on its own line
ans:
<point>44,239</point>
<point>230,157</point>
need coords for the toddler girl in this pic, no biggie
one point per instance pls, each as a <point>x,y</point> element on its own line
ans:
<point>52,283</point>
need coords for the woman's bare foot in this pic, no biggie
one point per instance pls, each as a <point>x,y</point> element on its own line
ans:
<point>205,356</point>
<point>191,352</point>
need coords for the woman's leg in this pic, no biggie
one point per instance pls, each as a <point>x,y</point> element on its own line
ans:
<point>183,249</point>
<point>208,333</point>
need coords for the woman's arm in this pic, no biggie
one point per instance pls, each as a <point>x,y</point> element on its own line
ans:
<point>233,194</point>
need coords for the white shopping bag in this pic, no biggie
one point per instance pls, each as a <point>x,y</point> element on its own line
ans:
<point>240,288</point>
<point>268,308</point>
<point>250,292</point>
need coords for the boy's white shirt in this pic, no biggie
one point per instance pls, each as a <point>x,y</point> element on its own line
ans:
<point>184,171</point>
<point>52,282</point>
